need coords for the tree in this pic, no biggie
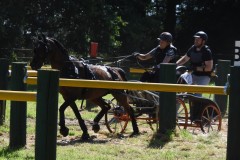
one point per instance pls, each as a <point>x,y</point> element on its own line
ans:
<point>121,27</point>
<point>217,18</point>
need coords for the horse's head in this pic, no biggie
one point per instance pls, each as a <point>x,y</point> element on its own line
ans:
<point>40,50</point>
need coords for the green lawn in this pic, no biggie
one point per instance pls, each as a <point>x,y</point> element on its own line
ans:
<point>183,144</point>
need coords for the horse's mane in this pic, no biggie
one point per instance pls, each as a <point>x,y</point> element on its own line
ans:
<point>60,46</point>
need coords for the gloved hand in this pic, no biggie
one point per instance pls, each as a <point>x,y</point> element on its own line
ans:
<point>135,54</point>
<point>156,66</point>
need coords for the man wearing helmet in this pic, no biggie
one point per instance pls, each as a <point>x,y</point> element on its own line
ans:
<point>165,52</point>
<point>200,57</point>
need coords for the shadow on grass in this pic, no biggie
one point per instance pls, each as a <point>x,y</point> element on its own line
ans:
<point>78,140</point>
<point>8,152</point>
<point>108,137</point>
<point>158,140</point>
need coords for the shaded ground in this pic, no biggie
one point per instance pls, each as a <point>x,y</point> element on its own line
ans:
<point>198,145</point>
<point>104,136</point>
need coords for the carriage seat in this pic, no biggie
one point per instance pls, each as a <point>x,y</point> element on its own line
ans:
<point>196,105</point>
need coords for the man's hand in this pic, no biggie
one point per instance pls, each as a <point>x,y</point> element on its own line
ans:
<point>135,54</point>
<point>156,66</point>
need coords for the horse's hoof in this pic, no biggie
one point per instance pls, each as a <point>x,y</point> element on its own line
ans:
<point>64,131</point>
<point>85,136</point>
<point>120,135</point>
<point>134,134</point>
<point>95,127</point>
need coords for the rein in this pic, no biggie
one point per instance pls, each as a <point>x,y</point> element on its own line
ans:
<point>125,58</point>
<point>118,62</point>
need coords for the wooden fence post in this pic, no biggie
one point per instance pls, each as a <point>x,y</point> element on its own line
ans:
<point>233,138</point>
<point>18,110</point>
<point>167,101</point>
<point>4,66</point>
<point>47,114</point>
<point>222,70</point>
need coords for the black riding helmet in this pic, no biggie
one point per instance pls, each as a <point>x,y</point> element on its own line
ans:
<point>165,36</point>
<point>202,35</point>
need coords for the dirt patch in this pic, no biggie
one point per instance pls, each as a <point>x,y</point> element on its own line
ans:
<point>104,136</point>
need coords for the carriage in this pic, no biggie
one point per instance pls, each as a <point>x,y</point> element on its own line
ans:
<point>117,113</point>
<point>191,111</point>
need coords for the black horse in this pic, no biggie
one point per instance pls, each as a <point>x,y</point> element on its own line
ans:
<point>50,49</point>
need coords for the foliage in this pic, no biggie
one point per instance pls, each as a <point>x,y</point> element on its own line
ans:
<point>217,18</point>
<point>120,27</point>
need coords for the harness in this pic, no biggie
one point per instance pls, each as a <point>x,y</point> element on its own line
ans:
<point>161,53</point>
<point>198,58</point>
<point>74,71</point>
<point>88,72</point>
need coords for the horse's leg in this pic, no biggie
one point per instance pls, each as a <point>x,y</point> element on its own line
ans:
<point>63,129</point>
<point>85,135</point>
<point>122,100</point>
<point>104,108</point>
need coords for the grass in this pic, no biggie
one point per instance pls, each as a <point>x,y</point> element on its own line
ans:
<point>180,145</point>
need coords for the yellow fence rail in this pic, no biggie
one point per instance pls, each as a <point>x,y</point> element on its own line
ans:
<point>136,86</point>
<point>33,73</point>
<point>137,70</point>
<point>17,95</point>
<point>30,73</point>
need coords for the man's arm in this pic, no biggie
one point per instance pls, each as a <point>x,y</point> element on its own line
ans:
<point>144,56</point>
<point>207,67</point>
<point>182,60</point>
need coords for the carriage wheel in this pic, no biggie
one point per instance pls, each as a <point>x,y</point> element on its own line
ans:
<point>116,119</point>
<point>211,119</point>
<point>153,123</point>
<point>182,114</point>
